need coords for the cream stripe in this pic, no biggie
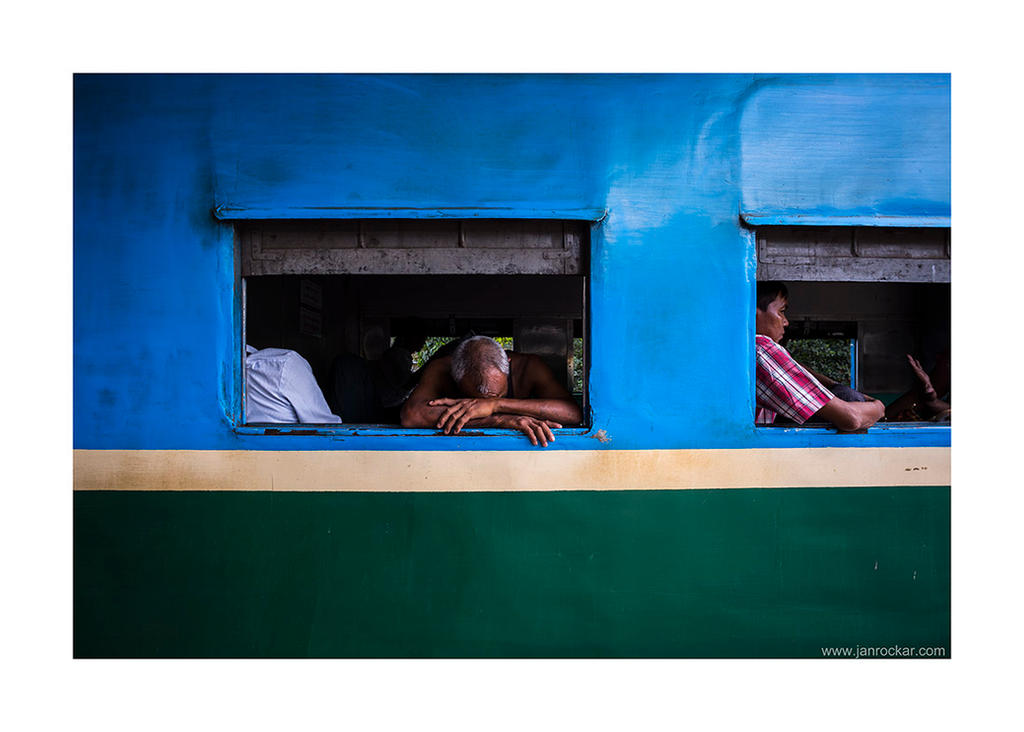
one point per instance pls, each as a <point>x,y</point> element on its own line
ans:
<point>573,470</point>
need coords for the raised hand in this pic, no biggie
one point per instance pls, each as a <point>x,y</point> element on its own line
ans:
<point>926,382</point>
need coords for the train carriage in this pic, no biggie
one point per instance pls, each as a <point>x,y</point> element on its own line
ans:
<point>613,225</point>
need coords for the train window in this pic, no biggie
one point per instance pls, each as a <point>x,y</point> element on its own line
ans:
<point>860,300</point>
<point>367,303</point>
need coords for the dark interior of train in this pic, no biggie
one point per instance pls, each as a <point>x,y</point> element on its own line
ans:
<point>367,302</point>
<point>378,330</point>
<point>881,324</point>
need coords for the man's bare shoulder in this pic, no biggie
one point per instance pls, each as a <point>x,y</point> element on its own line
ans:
<point>436,377</point>
<point>524,360</point>
<point>441,363</point>
<point>534,378</point>
<point>524,367</point>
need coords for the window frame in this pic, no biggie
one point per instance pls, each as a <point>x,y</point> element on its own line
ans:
<point>936,240</point>
<point>370,430</point>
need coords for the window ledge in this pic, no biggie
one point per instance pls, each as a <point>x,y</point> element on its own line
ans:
<point>880,427</point>
<point>381,430</point>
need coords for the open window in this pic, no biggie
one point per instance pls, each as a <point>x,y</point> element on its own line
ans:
<point>860,299</point>
<point>367,302</point>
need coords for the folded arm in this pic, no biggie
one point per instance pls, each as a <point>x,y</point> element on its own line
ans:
<point>546,399</point>
<point>435,381</point>
<point>549,406</point>
<point>852,416</point>
<point>460,411</point>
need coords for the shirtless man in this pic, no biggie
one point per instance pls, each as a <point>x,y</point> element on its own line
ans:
<point>482,385</point>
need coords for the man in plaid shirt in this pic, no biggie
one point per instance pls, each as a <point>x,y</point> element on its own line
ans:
<point>787,388</point>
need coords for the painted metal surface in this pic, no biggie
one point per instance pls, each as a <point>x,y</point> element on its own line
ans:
<point>857,150</point>
<point>742,573</point>
<point>490,471</point>
<point>609,545</point>
<point>661,164</point>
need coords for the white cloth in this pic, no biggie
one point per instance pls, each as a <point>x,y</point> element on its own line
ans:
<point>280,387</point>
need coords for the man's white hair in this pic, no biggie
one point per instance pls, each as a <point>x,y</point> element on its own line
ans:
<point>476,354</point>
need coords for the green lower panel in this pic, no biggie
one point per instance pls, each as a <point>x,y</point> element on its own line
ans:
<point>731,573</point>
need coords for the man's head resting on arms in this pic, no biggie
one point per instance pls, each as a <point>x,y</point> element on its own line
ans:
<point>480,385</point>
<point>480,368</point>
<point>772,301</point>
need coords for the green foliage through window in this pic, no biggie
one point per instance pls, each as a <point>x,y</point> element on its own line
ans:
<point>828,356</point>
<point>420,358</point>
<point>576,377</point>
<point>430,346</point>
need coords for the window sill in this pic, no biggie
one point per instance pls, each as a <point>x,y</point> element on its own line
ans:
<point>882,428</point>
<point>897,435</point>
<point>381,430</point>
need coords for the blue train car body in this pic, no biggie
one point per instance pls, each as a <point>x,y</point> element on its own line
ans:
<point>668,525</point>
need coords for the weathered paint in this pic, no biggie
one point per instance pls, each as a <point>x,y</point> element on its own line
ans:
<point>746,573</point>
<point>802,138</point>
<point>665,163</point>
<point>661,166</point>
<point>467,471</point>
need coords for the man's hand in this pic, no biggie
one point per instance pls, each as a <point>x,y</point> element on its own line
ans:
<point>461,411</point>
<point>537,430</point>
<point>926,382</point>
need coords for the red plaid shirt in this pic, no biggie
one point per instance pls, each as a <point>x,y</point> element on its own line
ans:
<point>784,386</point>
